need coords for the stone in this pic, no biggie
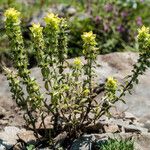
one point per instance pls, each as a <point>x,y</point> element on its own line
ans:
<point>83,16</point>
<point>111,128</point>
<point>4,122</point>
<point>59,139</point>
<point>133,128</point>
<point>2,112</point>
<point>47,123</point>
<point>122,125</point>
<point>128,127</point>
<point>71,11</point>
<point>9,136</point>
<point>115,121</point>
<point>141,141</point>
<point>83,143</point>
<point>94,128</point>
<point>27,137</point>
<point>2,147</point>
<point>60,8</point>
<point>18,146</point>
<point>128,115</point>
<point>147,126</point>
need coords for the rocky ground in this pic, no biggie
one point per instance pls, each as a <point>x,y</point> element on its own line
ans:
<point>115,64</point>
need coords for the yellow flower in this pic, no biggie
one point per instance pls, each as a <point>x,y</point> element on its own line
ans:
<point>13,14</point>
<point>143,30</point>
<point>52,20</point>
<point>111,84</point>
<point>144,39</point>
<point>36,29</point>
<point>37,33</point>
<point>143,33</point>
<point>88,34</point>
<point>86,92</point>
<point>77,62</point>
<point>89,38</point>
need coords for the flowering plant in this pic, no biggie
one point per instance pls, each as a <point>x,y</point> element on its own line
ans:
<point>69,98</point>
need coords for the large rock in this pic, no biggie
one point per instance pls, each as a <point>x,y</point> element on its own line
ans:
<point>8,137</point>
<point>27,137</point>
<point>117,65</point>
<point>11,135</point>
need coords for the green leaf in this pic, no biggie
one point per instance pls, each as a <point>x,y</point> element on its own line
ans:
<point>30,147</point>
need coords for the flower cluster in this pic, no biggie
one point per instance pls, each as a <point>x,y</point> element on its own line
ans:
<point>14,33</point>
<point>143,33</point>
<point>89,49</point>
<point>111,84</point>
<point>51,32</point>
<point>39,47</point>
<point>89,38</point>
<point>77,63</point>
<point>90,53</point>
<point>36,30</point>
<point>13,30</point>
<point>52,20</point>
<point>111,87</point>
<point>144,40</point>
<point>12,15</point>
